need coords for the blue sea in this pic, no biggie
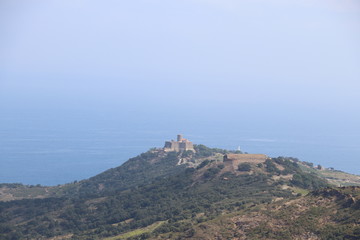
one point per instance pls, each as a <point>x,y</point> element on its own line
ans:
<point>52,153</point>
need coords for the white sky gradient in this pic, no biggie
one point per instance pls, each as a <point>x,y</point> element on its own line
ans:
<point>272,58</point>
<point>277,77</point>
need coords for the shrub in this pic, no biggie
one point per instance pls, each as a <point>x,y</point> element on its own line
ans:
<point>203,164</point>
<point>221,166</point>
<point>211,172</point>
<point>244,167</point>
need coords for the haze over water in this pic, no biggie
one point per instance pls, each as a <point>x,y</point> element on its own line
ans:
<point>84,85</point>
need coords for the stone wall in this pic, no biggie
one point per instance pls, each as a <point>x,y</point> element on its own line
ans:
<point>180,145</point>
<point>236,159</point>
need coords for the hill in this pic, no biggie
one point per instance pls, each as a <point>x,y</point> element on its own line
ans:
<point>156,195</point>
<point>330,213</point>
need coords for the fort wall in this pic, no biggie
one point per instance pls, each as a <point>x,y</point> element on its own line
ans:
<point>236,159</point>
<point>181,144</point>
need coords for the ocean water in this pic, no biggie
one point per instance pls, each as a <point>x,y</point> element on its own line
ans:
<point>51,154</point>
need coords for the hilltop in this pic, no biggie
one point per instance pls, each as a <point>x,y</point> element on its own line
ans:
<point>160,194</point>
<point>158,163</point>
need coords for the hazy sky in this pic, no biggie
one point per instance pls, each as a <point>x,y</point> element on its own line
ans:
<point>251,63</point>
<point>301,53</point>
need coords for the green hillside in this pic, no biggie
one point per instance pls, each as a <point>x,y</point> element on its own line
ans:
<point>154,196</point>
<point>330,213</point>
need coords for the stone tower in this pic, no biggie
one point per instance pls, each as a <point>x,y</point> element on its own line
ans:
<point>180,145</point>
<point>179,137</point>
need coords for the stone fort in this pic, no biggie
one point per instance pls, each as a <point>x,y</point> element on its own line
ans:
<point>180,145</point>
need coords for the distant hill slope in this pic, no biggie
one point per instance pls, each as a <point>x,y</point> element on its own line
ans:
<point>335,177</point>
<point>136,171</point>
<point>144,168</point>
<point>141,169</point>
<point>155,195</point>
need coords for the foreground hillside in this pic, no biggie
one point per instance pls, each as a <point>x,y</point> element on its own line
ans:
<point>168,195</point>
<point>330,213</point>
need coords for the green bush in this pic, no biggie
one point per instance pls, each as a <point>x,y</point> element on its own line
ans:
<point>203,164</point>
<point>221,166</point>
<point>211,172</point>
<point>244,167</point>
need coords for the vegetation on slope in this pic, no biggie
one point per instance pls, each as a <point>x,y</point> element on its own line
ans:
<point>138,170</point>
<point>330,213</point>
<point>133,199</point>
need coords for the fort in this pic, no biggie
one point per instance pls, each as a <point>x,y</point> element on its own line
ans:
<point>180,145</point>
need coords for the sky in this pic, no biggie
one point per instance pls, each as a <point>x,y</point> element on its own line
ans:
<point>261,65</point>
